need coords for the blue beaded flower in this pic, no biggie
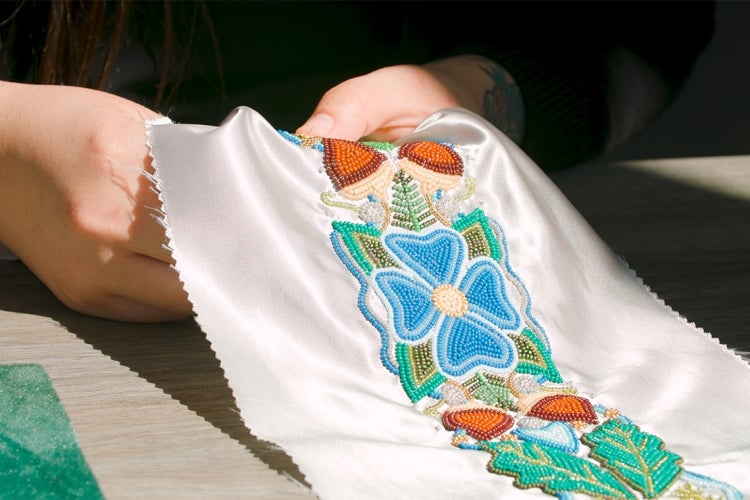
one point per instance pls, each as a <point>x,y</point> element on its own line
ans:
<point>430,293</point>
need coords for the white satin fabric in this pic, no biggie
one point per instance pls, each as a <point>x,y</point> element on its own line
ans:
<point>250,236</point>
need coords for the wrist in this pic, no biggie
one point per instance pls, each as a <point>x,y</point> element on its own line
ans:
<point>20,123</point>
<point>8,96</point>
<point>9,159</point>
<point>484,87</point>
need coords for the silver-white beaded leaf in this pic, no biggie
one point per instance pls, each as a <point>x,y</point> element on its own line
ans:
<point>453,394</point>
<point>531,422</point>
<point>372,212</point>
<point>525,384</point>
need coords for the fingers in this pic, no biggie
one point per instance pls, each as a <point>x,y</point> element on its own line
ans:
<point>383,105</point>
<point>149,281</point>
<point>146,234</point>
<point>344,111</point>
<point>132,288</point>
<point>131,311</point>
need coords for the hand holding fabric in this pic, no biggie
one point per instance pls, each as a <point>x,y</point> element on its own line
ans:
<point>75,206</point>
<point>390,102</point>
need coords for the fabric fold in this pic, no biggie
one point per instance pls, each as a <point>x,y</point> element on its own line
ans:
<point>416,320</point>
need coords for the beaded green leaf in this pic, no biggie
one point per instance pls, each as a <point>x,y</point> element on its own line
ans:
<point>636,456</point>
<point>410,210</point>
<point>492,392</point>
<point>534,357</point>
<point>364,245</point>
<point>479,236</point>
<point>418,373</point>
<point>534,465</point>
<point>384,146</point>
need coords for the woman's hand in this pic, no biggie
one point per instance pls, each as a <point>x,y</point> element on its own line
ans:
<point>391,102</point>
<point>75,206</point>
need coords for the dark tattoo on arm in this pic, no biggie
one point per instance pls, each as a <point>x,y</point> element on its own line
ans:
<point>502,101</point>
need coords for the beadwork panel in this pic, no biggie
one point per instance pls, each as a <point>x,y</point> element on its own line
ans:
<point>433,319</point>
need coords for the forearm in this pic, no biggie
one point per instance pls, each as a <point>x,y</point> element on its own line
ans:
<point>33,142</point>
<point>484,87</point>
<point>9,95</point>
<point>10,160</point>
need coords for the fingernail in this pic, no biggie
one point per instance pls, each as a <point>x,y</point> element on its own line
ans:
<point>317,125</point>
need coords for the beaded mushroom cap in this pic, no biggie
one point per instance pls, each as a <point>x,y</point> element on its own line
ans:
<point>355,169</point>
<point>435,165</point>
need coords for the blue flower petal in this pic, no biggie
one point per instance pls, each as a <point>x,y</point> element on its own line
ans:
<point>409,303</point>
<point>484,288</point>
<point>464,343</point>
<point>436,256</point>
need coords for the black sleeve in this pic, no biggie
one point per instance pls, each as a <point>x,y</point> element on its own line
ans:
<point>571,61</point>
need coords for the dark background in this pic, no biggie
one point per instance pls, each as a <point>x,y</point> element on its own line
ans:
<point>711,116</point>
<point>689,244</point>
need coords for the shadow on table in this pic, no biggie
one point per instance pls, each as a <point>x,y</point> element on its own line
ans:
<point>175,357</point>
<point>690,246</point>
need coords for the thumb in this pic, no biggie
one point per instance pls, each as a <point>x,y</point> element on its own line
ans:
<point>384,105</point>
<point>344,112</point>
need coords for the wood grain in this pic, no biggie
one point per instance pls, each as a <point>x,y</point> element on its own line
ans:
<point>149,404</point>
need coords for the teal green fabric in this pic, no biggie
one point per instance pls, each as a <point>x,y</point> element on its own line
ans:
<point>39,453</point>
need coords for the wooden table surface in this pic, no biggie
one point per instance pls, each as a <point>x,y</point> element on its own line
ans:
<point>683,225</point>
<point>154,415</point>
